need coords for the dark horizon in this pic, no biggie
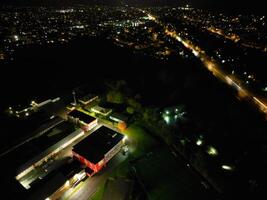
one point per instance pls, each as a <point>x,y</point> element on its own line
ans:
<point>257,6</point>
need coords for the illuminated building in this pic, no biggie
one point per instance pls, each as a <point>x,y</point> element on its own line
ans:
<point>118,117</point>
<point>50,141</point>
<point>88,99</point>
<point>98,148</point>
<point>86,122</point>
<point>101,110</point>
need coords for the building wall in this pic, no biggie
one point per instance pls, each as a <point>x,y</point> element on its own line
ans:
<point>112,152</point>
<point>85,162</point>
<point>97,167</point>
<point>90,126</point>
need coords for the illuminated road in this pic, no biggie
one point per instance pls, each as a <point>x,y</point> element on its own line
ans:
<point>230,36</point>
<point>213,66</point>
<point>236,38</point>
<point>86,189</point>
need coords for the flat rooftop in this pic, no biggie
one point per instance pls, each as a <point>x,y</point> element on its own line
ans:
<point>81,116</point>
<point>88,97</point>
<point>50,134</point>
<point>119,116</point>
<point>15,130</point>
<point>95,146</point>
<point>48,142</point>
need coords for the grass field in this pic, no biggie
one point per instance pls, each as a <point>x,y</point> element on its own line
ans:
<point>165,177</point>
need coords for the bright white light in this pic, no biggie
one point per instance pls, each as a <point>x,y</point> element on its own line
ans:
<point>167,112</point>
<point>150,17</point>
<point>16,37</point>
<point>227,167</point>
<point>76,176</point>
<point>67,184</point>
<point>195,53</point>
<point>125,138</point>
<point>79,26</point>
<point>79,175</point>
<point>47,198</point>
<point>26,114</point>
<point>167,119</point>
<point>199,142</point>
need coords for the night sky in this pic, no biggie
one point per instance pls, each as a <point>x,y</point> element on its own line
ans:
<point>227,5</point>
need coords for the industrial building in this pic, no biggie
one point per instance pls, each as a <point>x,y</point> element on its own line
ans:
<point>101,110</point>
<point>60,180</point>
<point>88,99</point>
<point>42,149</point>
<point>98,148</point>
<point>117,117</point>
<point>86,122</point>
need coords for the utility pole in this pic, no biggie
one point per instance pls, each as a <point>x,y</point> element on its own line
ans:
<point>74,98</point>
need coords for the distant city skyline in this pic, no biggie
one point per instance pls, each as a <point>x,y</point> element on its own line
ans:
<point>256,5</point>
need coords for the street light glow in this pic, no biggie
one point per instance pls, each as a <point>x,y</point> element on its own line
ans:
<point>125,138</point>
<point>212,151</point>
<point>67,184</point>
<point>167,119</point>
<point>199,142</point>
<point>227,167</point>
<point>16,37</point>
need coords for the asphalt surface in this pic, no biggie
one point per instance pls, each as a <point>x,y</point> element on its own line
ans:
<point>86,189</point>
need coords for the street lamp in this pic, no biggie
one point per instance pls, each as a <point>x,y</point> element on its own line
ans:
<point>74,98</point>
<point>199,142</point>
<point>227,167</point>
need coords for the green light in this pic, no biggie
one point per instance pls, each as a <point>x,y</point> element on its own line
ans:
<point>167,119</point>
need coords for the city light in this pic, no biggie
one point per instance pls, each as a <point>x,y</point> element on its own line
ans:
<point>223,45</point>
<point>67,183</point>
<point>227,167</point>
<point>16,38</point>
<point>199,142</point>
<point>79,176</point>
<point>125,138</point>
<point>212,151</point>
<point>167,119</point>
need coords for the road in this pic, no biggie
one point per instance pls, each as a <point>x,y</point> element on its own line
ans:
<point>86,189</point>
<point>213,66</point>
